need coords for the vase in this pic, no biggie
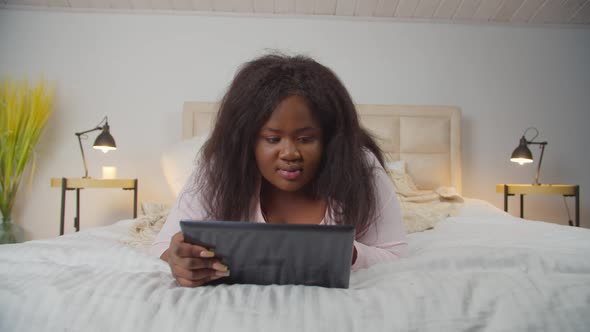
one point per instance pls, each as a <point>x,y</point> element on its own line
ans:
<point>11,232</point>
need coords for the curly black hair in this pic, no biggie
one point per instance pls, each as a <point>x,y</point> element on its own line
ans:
<point>228,174</point>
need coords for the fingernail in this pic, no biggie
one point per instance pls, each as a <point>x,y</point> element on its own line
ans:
<point>221,273</point>
<point>208,253</point>
<point>219,267</point>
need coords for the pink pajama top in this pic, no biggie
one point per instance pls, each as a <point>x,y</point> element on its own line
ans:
<point>385,240</point>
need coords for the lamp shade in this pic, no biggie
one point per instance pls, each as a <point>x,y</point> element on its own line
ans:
<point>105,140</point>
<point>522,154</point>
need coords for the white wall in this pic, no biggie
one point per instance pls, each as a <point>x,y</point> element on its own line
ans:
<point>138,69</point>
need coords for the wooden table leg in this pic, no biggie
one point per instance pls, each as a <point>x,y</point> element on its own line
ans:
<point>135,199</point>
<point>77,219</point>
<point>522,206</point>
<point>63,206</point>
<point>577,206</point>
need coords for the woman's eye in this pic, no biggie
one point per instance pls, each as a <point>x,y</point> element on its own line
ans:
<point>272,139</point>
<point>305,139</point>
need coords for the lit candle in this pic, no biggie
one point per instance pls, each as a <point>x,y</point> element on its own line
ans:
<point>109,172</point>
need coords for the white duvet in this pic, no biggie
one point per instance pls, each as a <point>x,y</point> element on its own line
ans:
<point>480,271</point>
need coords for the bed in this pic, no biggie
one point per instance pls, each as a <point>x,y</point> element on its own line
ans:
<point>478,269</point>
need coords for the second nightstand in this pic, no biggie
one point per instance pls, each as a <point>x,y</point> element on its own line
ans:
<point>82,183</point>
<point>567,190</point>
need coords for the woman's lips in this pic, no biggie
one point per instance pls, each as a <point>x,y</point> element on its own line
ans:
<point>290,175</point>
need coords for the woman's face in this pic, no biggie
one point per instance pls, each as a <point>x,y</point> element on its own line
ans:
<point>289,146</point>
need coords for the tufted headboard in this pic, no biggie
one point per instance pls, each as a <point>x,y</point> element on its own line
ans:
<point>428,138</point>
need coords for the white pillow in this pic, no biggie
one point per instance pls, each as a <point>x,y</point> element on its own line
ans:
<point>179,161</point>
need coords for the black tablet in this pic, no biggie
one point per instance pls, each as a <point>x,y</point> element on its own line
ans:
<point>282,254</point>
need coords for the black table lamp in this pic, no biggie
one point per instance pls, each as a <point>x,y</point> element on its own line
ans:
<point>104,141</point>
<point>523,155</point>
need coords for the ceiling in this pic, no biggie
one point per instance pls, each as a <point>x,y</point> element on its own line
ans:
<point>535,12</point>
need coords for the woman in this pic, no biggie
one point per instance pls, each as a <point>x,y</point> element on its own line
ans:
<point>287,147</point>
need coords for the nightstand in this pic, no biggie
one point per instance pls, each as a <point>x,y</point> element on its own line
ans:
<point>566,190</point>
<point>86,183</point>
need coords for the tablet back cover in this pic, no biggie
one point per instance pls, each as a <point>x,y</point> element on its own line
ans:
<point>281,254</point>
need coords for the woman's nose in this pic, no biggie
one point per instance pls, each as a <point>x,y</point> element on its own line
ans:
<point>289,151</point>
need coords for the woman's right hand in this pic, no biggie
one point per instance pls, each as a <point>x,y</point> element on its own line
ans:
<point>192,265</point>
